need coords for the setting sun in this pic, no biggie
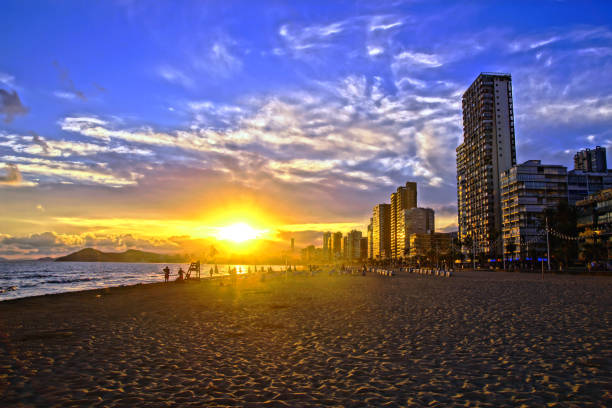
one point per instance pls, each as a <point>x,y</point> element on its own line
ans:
<point>238,232</point>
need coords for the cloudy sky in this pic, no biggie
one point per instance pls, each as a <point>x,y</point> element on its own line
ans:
<point>138,124</point>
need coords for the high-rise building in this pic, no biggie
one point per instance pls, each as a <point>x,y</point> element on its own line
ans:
<point>528,189</point>
<point>345,247</point>
<point>327,244</point>
<point>488,149</point>
<point>404,198</point>
<point>581,184</point>
<point>381,231</point>
<point>353,245</point>
<point>435,245</point>
<point>363,248</point>
<point>595,222</point>
<point>337,245</point>
<point>588,160</point>
<point>413,221</point>
<point>370,238</point>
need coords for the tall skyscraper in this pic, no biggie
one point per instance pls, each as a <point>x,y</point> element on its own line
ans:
<point>337,245</point>
<point>327,244</point>
<point>381,231</point>
<point>404,198</point>
<point>588,160</point>
<point>487,151</point>
<point>363,248</point>
<point>413,221</point>
<point>528,189</point>
<point>353,245</point>
<point>370,238</point>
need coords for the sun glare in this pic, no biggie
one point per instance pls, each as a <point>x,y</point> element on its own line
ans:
<point>239,232</point>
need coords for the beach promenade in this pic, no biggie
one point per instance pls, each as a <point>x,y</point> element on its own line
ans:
<point>476,339</point>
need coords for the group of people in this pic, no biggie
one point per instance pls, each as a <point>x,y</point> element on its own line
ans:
<point>232,272</point>
<point>182,275</point>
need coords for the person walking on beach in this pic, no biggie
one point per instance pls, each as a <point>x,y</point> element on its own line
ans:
<point>166,274</point>
<point>211,272</point>
<point>180,275</point>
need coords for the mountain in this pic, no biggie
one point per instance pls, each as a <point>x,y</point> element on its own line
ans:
<point>131,255</point>
<point>45,259</point>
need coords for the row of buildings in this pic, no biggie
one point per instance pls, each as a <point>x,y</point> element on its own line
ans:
<point>397,230</point>
<point>501,204</point>
<point>402,230</point>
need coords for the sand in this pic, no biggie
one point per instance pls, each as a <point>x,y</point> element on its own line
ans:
<point>476,339</point>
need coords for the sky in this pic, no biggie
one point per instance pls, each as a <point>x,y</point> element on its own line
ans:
<point>148,125</point>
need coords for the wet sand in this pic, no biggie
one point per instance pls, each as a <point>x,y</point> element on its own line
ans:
<point>477,339</point>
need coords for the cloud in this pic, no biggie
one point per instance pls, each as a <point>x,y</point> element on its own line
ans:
<point>12,176</point>
<point>418,59</point>
<point>85,173</point>
<point>36,139</point>
<point>330,138</point>
<point>373,50</point>
<point>301,40</point>
<point>67,81</point>
<point>383,23</point>
<point>175,76</point>
<point>7,80</point>
<point>34,144</point>
<point>218,58</point>
<point>65,95</point>
<point>55,244</point>
<point>11,106</point>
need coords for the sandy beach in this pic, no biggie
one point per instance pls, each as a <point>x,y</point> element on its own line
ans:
<point>477,339</point>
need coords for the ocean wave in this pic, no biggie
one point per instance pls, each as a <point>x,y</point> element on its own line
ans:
<point>24,275</point>
<point>72,280</point>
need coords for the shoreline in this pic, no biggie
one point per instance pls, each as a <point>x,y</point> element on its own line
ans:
<point>411,340</point>
<point>457,272</point>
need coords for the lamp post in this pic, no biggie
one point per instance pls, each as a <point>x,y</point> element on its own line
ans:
<point>547,246</point>
<point>474,253</point>
<point>503,249</point>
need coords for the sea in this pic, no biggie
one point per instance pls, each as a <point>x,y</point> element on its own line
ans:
<point>19,279</point>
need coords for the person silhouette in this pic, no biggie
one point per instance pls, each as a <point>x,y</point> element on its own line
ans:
<point>180,275</point>
<point>166,274</point>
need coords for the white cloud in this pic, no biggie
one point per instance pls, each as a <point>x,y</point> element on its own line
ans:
<point>419,59</point>
<point>374,50</point>
<point>7,80</point>
<point>175,76</point>
<point>65,95</point>
<point>70,171</point>
<point>374,26</point>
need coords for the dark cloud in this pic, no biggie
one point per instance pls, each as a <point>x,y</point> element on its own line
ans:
<point>67,81</point>
<point>40,141</point>
<point>45,240</point>
<point>11,106</point>
<point>12,176</point>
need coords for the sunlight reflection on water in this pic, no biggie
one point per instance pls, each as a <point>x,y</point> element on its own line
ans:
<point>32,278</point>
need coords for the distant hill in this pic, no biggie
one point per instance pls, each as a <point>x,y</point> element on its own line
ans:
<point>45,259</point>
<point>131,255</point>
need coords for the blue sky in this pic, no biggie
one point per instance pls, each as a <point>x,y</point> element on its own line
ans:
<point>309,111</point>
